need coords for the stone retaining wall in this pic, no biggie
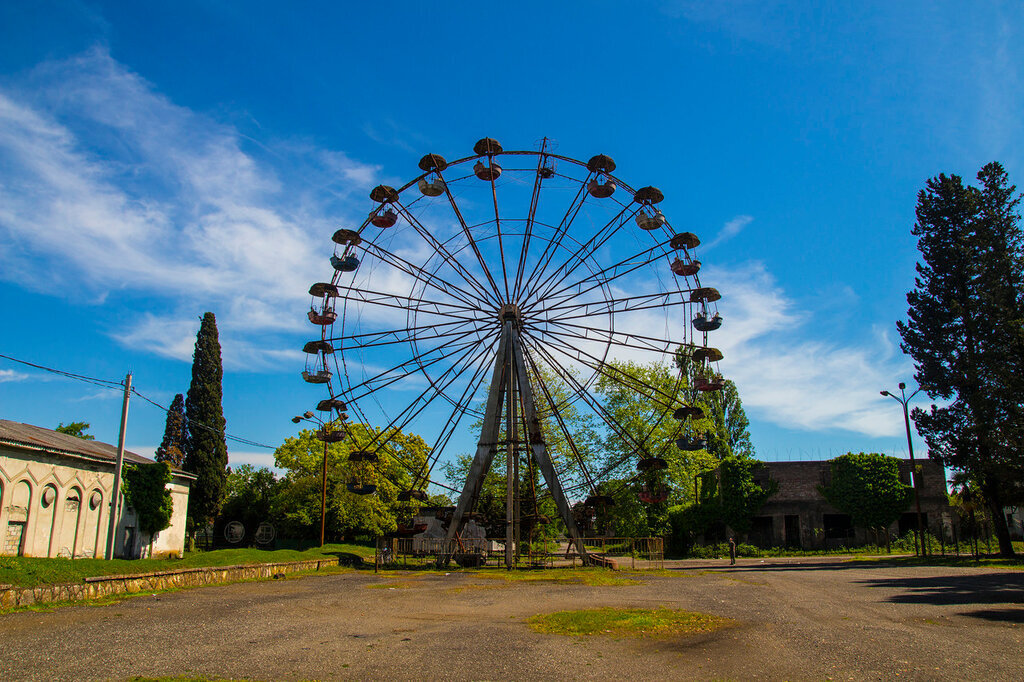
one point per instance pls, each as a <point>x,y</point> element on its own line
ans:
<point>103,586</point>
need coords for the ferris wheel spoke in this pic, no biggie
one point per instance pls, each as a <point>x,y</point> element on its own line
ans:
<point>625,304</point>
<point>458,412</point>
<point>531,215</point>
<point>400,334</point>
<point>612,336</point>
<point>388,300</point>
<point>450,425</point>
<point>551,246</point>
<point>594,404</point>
<point>430,335</point>
<point>434,389</point>
<point>599,239</point>
<point>418,360</point>
<point>434,280</point>
<point>579,355</point>
<point>452,261</point>
<point>630,264</point>
<point>469,234</point>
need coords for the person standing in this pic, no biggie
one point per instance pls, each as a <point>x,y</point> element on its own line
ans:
<point>732,551</point>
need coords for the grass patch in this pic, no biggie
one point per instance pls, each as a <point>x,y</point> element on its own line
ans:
<point>32,571</point>
<point>611,622</point>
<point>576,576</point>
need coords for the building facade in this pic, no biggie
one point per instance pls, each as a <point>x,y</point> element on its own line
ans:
<point>55,493</point>
<point>799,516</point>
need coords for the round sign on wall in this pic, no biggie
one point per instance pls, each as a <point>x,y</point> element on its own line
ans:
<point>265,533</point>
<point>234,532</point>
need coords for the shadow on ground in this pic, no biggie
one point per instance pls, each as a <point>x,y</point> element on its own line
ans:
<point>989,588</point>
<point>1010,615</point>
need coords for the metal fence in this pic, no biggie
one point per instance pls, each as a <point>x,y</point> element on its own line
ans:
<point>640,553</point>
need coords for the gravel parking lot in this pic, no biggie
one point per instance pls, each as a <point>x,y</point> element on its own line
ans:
<point>796,619</point>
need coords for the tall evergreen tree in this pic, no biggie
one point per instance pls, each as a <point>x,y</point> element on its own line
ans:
<point>172,447</point>
<point>206,452</point>
<point>964,330</point>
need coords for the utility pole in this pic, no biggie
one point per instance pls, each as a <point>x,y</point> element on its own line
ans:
<point>115,498</point>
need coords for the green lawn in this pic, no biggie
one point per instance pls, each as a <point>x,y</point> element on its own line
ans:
<point>29,571</point>
<point>611,622</point>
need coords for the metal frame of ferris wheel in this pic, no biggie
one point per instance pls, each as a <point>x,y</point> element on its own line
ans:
<point>542,312</point>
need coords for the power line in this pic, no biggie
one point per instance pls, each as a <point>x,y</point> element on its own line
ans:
<point>106,383</point>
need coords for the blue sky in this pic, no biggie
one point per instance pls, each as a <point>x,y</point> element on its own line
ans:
<point>156,163</point>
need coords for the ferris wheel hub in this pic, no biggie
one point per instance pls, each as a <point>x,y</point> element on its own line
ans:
<point>510,311</point>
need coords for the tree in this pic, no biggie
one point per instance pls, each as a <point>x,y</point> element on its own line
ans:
<point>297,505</point>
<point>730,435</point>
<point>965,331</point>
<point>145,491</point>
<point>77,429</point>
<point>206,452</point>
<point>250,497</point>
<point>742,494</point>
<point>636,398</point>
<point>868,488</point>
<point>172,447</point>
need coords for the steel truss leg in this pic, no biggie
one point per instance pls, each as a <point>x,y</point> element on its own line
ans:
<point>509,361</point>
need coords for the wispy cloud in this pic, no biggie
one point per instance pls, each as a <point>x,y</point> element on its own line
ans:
<point>730,230</point>
<point>108,185</point>
<point>786,375</point>
<point>10,375</point>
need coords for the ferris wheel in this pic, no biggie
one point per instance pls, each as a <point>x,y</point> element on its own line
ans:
<point>491,293</point>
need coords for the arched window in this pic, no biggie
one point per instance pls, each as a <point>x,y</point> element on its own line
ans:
<point>17,518</point>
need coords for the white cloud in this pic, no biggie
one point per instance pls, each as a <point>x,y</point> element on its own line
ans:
<point>108,185</point>
<point>786,375</point>
<point>10,375</point>
<point>263,458</point>
<point>730,230</point>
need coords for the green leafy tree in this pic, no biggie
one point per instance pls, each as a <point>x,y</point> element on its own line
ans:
<point>250,497</point>
<point>145,491</point>
<point>76,429</point>
<point>297,505</point>
<point>730,436</point>
<point>742,491</point>
<point>636,397</point>
<point>206,452</point>
<point>868,488</point>
<point>965,334</point>
<point>172,447</point>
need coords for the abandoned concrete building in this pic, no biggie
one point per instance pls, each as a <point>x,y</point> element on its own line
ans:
<point>799,516</point>
<point>55,492</point>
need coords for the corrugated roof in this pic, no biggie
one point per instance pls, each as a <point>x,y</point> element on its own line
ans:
<point>37,437</point>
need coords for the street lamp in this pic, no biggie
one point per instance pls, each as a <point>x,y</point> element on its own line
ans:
<point>324,427</point>
<point>903,399</point>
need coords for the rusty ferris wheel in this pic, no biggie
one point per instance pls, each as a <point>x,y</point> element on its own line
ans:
<point>473,289</point>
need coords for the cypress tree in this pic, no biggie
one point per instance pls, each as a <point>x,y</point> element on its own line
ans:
<point>964,331</point>
<point>172,447</point>
<point>206,452</point>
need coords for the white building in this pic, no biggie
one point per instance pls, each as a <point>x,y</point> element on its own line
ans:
<point>55,492</point>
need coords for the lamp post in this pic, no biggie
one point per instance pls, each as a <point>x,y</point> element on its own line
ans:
<point>903,399</point>
<point>309,416</point>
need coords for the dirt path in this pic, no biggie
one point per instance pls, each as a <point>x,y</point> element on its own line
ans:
<point>796,620</point>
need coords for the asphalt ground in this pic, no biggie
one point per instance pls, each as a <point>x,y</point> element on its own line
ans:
<point>794,619</point>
